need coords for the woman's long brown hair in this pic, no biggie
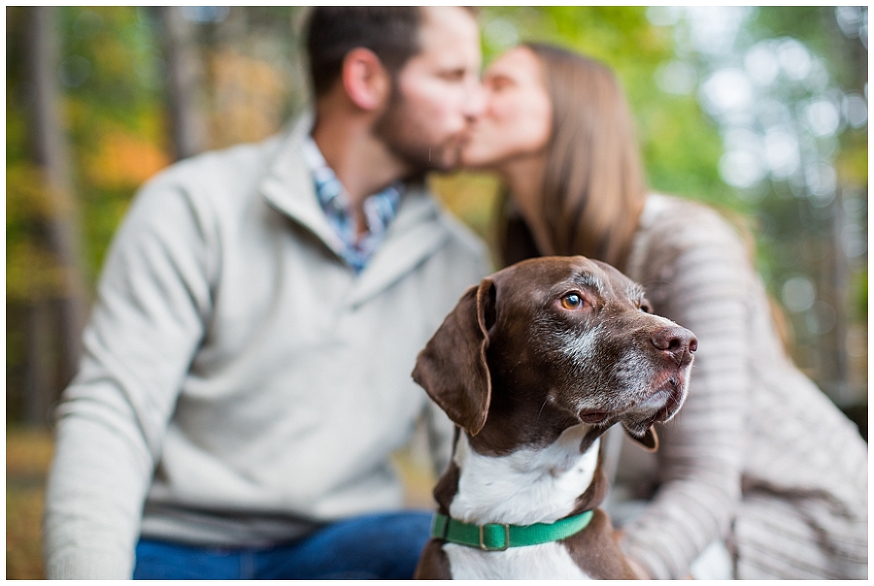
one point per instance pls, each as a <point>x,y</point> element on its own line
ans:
<point>594,189</point>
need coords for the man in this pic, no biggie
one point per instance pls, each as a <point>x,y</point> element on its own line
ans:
<point>247,365</point>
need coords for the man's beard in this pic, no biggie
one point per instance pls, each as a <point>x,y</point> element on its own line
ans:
<point>399,129</point>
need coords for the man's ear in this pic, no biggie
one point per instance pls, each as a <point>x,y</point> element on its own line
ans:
<point>452,367</point>
<point>648,440</point>
<point>365,80</point>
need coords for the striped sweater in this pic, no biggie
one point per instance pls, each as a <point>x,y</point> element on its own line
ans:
<point>758,456</point>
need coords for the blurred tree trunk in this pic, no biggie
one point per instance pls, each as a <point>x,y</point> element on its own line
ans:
<point>39,384</point>
<point>51,156</point>
<point>182,79</point>
<point>838,278</point>
<point>837,275</point>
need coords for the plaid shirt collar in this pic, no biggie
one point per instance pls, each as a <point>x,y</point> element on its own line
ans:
<point>379,209</point>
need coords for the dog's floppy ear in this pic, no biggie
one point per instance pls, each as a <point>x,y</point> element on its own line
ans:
<point>649,440</point>
<point>452,367</point>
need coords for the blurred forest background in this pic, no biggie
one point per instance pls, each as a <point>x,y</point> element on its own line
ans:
<point>761,112</point>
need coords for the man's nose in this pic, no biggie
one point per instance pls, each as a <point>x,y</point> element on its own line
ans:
<point>475,99</point>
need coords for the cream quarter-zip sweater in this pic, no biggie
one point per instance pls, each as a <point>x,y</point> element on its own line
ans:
<point>240,384</point>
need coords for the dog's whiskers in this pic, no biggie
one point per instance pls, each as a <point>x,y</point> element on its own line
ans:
<point>548,398</point>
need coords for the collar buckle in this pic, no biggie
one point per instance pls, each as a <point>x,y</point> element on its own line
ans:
<point>482,537</point>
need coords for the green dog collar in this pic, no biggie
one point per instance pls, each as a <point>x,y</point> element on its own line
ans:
<point>498,536</point>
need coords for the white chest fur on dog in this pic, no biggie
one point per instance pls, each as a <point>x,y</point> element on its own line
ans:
<point>548,561</point>
<point>525,487</point>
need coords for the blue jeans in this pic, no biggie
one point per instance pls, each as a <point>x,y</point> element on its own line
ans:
<point>380,547</point>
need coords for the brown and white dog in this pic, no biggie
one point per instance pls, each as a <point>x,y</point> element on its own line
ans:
<point>533,365</point>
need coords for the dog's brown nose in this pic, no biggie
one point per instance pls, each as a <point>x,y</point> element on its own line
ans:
<point>675,341</point>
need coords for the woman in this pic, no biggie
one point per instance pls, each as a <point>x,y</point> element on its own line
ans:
<point>759,464</point>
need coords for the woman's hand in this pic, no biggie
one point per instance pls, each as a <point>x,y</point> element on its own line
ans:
<point>638,570</point>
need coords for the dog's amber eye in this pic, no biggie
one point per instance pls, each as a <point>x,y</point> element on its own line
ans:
<point>572,301</point>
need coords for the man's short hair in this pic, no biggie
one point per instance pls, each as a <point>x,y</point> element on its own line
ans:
<point>391,32</point>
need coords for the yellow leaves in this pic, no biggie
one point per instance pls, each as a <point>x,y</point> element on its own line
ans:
<point>26,193</point>
<point>28,453</point>
<point>852,163</point>
<point>32,272</point>
<point>468,196</point>
<point>248,96</point>
<point>123,160</point>
<point>32,269</point>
